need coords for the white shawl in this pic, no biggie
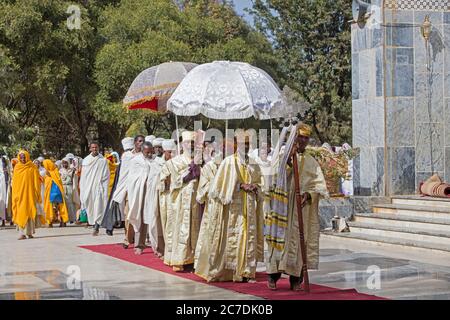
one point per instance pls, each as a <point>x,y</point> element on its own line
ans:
<point>142,182</point>
<point>151,206</point>
<point>3,193</point>
<point>120,192</point>
<point>136,184</point>
<point>94,182</point>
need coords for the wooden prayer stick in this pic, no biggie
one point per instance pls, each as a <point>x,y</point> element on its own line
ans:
<point>298,199</point>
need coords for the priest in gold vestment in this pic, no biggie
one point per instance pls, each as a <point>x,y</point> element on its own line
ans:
<point>209,170</point>
<point>233,243</point>
<point>281,226</point>
<point>183,218</point>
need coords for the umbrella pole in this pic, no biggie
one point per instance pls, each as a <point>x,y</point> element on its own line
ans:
<point>299,202</point>
<point>178,134</point>
<point>226,128</point>
<point>271,132</point>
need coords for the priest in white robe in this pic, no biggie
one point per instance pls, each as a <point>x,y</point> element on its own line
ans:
<point>209,170</point>
<point>94,183</point>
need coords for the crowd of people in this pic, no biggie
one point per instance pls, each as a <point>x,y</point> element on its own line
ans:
<point>196,208</point>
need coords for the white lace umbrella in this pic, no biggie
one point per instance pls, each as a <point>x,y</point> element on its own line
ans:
<point>228,90</point>
<point>153,86</point>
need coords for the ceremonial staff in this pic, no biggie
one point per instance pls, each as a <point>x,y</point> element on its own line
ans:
<point>299,202</point>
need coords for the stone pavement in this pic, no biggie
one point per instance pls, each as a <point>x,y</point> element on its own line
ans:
<point>45,268</point>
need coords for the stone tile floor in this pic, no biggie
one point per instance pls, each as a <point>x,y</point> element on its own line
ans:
<point>47,267</point>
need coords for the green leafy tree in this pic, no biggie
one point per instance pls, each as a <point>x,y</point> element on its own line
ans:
<point>50,86</point>
<point>139,34</point>
<point>61,87</point>
<point>312,40</point>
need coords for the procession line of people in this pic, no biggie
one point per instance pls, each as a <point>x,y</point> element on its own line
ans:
<point>194,209</point>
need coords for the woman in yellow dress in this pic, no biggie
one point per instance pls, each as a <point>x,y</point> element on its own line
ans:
<point>53,177</point>
<point>113,163</point>
<point>26,193</point>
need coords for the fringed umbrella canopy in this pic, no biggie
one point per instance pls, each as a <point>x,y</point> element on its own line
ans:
<point>228,90</point>
<point>152,87</point>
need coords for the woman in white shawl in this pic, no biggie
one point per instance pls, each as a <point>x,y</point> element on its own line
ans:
<point>76,165</point>
<point>3,190</point>
<point>67,174</point>
<point>40,205</point>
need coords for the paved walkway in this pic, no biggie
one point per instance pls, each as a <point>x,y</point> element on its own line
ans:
<point>46,268</point>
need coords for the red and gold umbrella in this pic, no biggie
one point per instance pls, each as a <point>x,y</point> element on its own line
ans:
<point>153,87</point>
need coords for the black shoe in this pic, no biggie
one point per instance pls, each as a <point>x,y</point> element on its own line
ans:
<point>295,283</point>
<point>271,284</point>
<point>109,232</point>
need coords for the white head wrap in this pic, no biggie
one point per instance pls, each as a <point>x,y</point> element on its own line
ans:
<point>169,145</point>
<point>150,138</point>
<point>127,143</point>
<point>158,142</point>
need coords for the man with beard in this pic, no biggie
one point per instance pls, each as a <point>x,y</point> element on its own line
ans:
<point>142,196</point>
<point>94,183</point>
<point>183,220</point>
<point>132,148</point>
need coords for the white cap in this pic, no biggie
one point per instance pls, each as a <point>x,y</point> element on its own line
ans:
<point>157,142</point>
<point>169,145</point>
<point>70,156</point>
<point>66,159</point>
<point>150,138</point>
<point>128,143</point>
<point>40,159</point>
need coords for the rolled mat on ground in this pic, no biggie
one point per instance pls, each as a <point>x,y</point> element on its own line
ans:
<point>435,187</point>
<point>259,289</point>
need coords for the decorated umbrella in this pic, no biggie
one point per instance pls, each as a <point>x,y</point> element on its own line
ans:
<point>228,90</point>
<point>153,86</point>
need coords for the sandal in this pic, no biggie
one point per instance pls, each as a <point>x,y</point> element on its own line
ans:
<point>22,237</point>
<point>272,284</point>
<point>178,268</point>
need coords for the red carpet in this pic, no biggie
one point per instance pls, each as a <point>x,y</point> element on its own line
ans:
<point>259,289</point>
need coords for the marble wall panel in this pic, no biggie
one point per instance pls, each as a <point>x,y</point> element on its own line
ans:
<point>399,35</point>
<point>430,147</point>
<point>446,33</point>
<point>376,122</point>
<point>429,97</point>
<point>400,122</point>
<point>360,123</point>
<point>355,76</point>
<point>447,121</point>
<point>402,176</point>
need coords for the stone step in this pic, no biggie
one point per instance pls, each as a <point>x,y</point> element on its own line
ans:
<point>413,211</point>
<point>403,221</point>
<point>389,242</point>
<point>415,200</point>
<point>389,231</point>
